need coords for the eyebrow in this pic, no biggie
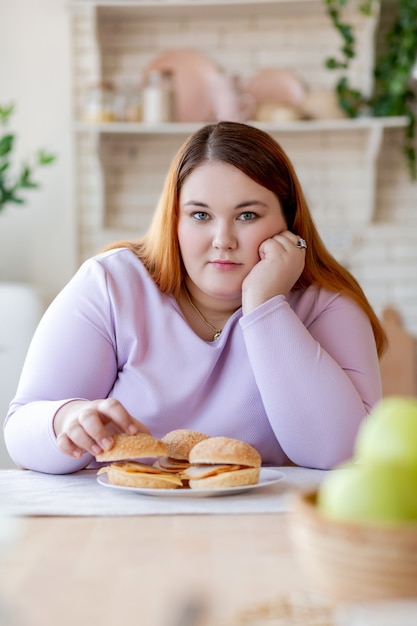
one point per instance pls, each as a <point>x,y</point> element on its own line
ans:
<point>241,205</point>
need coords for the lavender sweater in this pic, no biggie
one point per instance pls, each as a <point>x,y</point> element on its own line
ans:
<point>294,377</point>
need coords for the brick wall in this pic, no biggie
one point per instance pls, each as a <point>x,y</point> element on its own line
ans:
<point>372,228</point>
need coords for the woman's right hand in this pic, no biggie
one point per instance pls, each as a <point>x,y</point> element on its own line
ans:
<point>87,426</point>
<point>280,265</point>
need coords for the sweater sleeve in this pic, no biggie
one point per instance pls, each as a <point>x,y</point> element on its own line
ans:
<point>71,356</point>
<point>318,378</point>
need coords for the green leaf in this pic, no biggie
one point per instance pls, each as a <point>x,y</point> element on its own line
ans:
<point>5,113</point>
<point>366,8</point>
<point>16,200</point>
<point>9,188</point>
<point>25,181</point>
<point>392,92</point>
<point>8,196</point>
<point>6,144</point>
<point>44,158</point>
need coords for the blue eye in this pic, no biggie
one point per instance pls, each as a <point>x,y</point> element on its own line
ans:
<point>247,216</point>
<point>200,216</point>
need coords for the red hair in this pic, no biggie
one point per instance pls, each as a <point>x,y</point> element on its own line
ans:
<point>260,157</point>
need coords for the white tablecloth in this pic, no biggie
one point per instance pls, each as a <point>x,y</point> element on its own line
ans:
<point>25,493</point>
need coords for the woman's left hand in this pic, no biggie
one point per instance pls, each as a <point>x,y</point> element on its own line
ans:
<point>281,264</point>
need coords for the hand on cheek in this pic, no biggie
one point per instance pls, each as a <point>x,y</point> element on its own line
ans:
<point>281,264</point>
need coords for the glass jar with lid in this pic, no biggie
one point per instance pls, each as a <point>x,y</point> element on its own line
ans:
<point>128,104</point>
<point>158,97</point>
<point>99,102</point>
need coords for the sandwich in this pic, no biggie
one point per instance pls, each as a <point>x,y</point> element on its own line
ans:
<point>219,462</point>
<point>181,459</point>
<point>179,443</point>
<point>126,471</point>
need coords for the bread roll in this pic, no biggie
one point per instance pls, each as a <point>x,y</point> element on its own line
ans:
<point>140,446</point>
<point>179,442</point>
<point>119,474</point>
<point>236,478</point>
<point>225,450</point>
<point>237,464</point>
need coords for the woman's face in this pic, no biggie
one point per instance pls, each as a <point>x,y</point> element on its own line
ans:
<point>224,217</point>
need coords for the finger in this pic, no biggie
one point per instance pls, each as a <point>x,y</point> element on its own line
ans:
<point>296,240</point>
<point>277,243</point>
<point>112,410</point>
<point>90,432</point>
<point>269,246</point>
<point>287,238</point>
<point>68,447</point>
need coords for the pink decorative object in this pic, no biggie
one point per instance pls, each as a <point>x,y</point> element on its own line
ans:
<point>229,100</point>
<point>191,75</point>
<point>277,85</point>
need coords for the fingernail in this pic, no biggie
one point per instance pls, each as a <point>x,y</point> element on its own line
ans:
<point>132,429</point>
<point>95,449</point>
<point>76,454</point>
<point>106,443</point>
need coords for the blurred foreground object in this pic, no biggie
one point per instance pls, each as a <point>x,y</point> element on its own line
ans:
<point>353,561</point>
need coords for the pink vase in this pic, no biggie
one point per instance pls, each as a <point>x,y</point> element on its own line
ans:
<point>229,101</point>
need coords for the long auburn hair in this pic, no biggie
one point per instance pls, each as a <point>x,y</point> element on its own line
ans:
<point>260,157</point>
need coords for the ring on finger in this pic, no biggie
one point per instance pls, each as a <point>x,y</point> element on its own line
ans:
<point>301,243</point>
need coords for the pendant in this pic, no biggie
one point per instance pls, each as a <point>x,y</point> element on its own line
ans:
<point>217,335</point>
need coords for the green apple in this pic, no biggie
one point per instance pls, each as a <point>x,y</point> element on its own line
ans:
<point>390,432</point>
<point>370,492</point>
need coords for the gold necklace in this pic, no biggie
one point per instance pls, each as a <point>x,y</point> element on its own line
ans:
<point>216,331</point>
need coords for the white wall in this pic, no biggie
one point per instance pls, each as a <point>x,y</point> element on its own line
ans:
<point>37,241</point>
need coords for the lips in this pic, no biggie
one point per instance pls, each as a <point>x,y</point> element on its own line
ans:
<point>218,264</point>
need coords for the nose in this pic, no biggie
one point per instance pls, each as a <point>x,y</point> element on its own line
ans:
<point>224,237</point>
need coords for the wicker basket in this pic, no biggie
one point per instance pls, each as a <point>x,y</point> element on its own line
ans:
<point>352,562</point>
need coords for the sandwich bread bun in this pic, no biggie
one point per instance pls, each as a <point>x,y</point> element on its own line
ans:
<point>140,446</point>
<point>225,450</point>
<point>128,473</point>
<point>179,442</point>
<point>219,462</point>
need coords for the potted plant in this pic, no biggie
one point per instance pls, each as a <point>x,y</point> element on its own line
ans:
<point>20,308</point>
<point>11,184</point>
<point>392,93</point>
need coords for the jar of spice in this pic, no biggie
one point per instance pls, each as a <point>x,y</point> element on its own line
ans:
<point>99,103</point>
<point>158,97</point>
<point>128,104</point>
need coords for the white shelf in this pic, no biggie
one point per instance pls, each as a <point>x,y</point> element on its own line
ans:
<point>349,124</point>
<point>150,8</point>
<point>189,4</point>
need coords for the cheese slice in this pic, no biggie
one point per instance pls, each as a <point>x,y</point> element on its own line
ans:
<point>117,475</point>
<point>194,472</point>
<point>131,466</point>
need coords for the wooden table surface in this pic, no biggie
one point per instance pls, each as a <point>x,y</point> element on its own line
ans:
<point>139,570</point>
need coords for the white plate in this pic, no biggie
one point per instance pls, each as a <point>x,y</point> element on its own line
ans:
<point>267,477</point>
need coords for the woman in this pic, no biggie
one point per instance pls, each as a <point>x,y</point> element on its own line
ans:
<point>229,317</point>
